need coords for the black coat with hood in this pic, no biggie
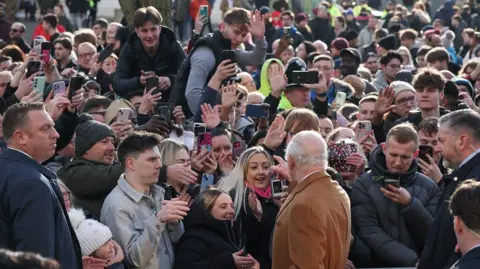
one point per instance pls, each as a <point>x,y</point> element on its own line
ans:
<point>207,243</point>
<point>395,233</point>
<point>133,59</point>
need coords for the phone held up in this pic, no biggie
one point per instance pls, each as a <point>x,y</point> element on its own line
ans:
<point>277,186</point>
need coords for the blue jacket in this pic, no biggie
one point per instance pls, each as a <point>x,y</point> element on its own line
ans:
<point>32,212</point>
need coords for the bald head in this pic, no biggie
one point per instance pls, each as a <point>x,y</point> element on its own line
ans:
<point>307,150</point>
<point>321,46</point>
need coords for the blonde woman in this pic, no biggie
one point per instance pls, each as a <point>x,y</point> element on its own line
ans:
<point>176,153</point>
<point>407,60</point>
<point>255,210</point>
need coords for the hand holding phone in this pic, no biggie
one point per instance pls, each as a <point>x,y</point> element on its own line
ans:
<point>204,12</point>
<point>46,49</point>
<point>257,111</point>
<point>59,88</point>
<point>33,67</point>
<point>425,150</point>
<point>393,182</point>
<point>229,55</point>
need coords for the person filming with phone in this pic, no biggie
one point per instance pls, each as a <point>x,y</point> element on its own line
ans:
<point>393,205</point>
<point>153,50</point>
<point>210,50</point>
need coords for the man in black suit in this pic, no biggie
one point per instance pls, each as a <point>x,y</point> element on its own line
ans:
<point>465,208</point>
<point>33,217</point>
<point>459,141</point>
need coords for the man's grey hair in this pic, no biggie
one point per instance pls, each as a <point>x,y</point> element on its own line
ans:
<point>308,148</point>
<point>462,120</point>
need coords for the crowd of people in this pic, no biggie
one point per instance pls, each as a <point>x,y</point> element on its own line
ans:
<point>346,138</point>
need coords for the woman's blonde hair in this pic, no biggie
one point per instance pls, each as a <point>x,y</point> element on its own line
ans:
<point>407,51</point>
<point>209,196</point>
<point>168,149</point>
<point>303,119</point>
<point>235,180</point>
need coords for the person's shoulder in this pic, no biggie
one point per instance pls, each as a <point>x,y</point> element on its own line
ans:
<point>424,181</point>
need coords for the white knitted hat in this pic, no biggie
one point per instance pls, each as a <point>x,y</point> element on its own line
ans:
<point>91,234</point>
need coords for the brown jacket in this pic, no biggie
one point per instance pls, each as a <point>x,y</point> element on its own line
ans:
<point>312,229</point>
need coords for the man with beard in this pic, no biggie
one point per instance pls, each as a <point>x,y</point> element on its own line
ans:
<point>459,140</point>
<point>91,175</point>
<point>17,33</point>
<point>63,49</point>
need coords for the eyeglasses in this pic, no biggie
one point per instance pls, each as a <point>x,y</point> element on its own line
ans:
<point>83,55</point>
<point>404,101</point>
<point>394,66</point>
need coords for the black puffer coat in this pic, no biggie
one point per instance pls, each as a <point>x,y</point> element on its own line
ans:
<point>395,234</point>
<point>207,243</point>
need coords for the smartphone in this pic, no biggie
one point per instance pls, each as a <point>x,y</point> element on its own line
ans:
<point>229,55</point>
<point>393,182</point>
<point>123,115</point>
<point>33,67</point>
<point>46,49</point>
<point>105,53</point>
<point>338,153</point>
<point>239,147</point>
<point>276,187</point>
<point>204,11</point>
<point>364,128</point>
<point>334,116</point>
<point>149,73</point>
<point>152,82</point>
<point>199,128</point>
<point>256,111</point>
<point>164,111</point>
<point>305,77</point>
<point>39,84</point>
<point>204,142</point>
<point>58,88</point>
<point>340,99</point>
<point>207,181</point>
<point>288,31</point>
<point>425,150</point>
<point>37,46</point>
<point>75,84</point>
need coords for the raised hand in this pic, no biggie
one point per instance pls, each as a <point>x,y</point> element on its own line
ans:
<point>321,86</point>
<point>255,205</point>
<point>210,116</point>
<point>182,174</point>
<point>257,25</point>
<point>230,96</point>
<point>384,101</point>
<point>178,115</point>
<point>276,133</point>
<point>430,169</point>
<point>278,81</point>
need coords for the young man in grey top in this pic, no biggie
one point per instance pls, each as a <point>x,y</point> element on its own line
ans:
<point>235,27</point>
<point>142,222</point>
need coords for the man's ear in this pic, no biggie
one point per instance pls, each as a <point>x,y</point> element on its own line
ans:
<point>291,163</point>
<point>415,153</point>
<point>384,146</point>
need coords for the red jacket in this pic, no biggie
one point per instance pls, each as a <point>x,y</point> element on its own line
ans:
<point>39,31</point>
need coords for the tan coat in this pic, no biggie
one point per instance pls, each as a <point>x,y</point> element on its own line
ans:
<point>312,229</point>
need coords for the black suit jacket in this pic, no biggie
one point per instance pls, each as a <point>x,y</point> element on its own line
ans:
<point>471,260</point>
<point>440,245</point>
<point>33,217</point>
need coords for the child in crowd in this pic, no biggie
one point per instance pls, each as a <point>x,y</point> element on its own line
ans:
<point>96,240</point>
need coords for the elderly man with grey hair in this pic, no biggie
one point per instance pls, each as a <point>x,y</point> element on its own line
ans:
<point>315,218</point>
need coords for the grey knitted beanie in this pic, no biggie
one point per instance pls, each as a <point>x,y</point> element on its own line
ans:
<point>88,133</point>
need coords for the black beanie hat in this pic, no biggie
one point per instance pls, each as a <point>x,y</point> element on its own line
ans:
<point>88,133</point>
